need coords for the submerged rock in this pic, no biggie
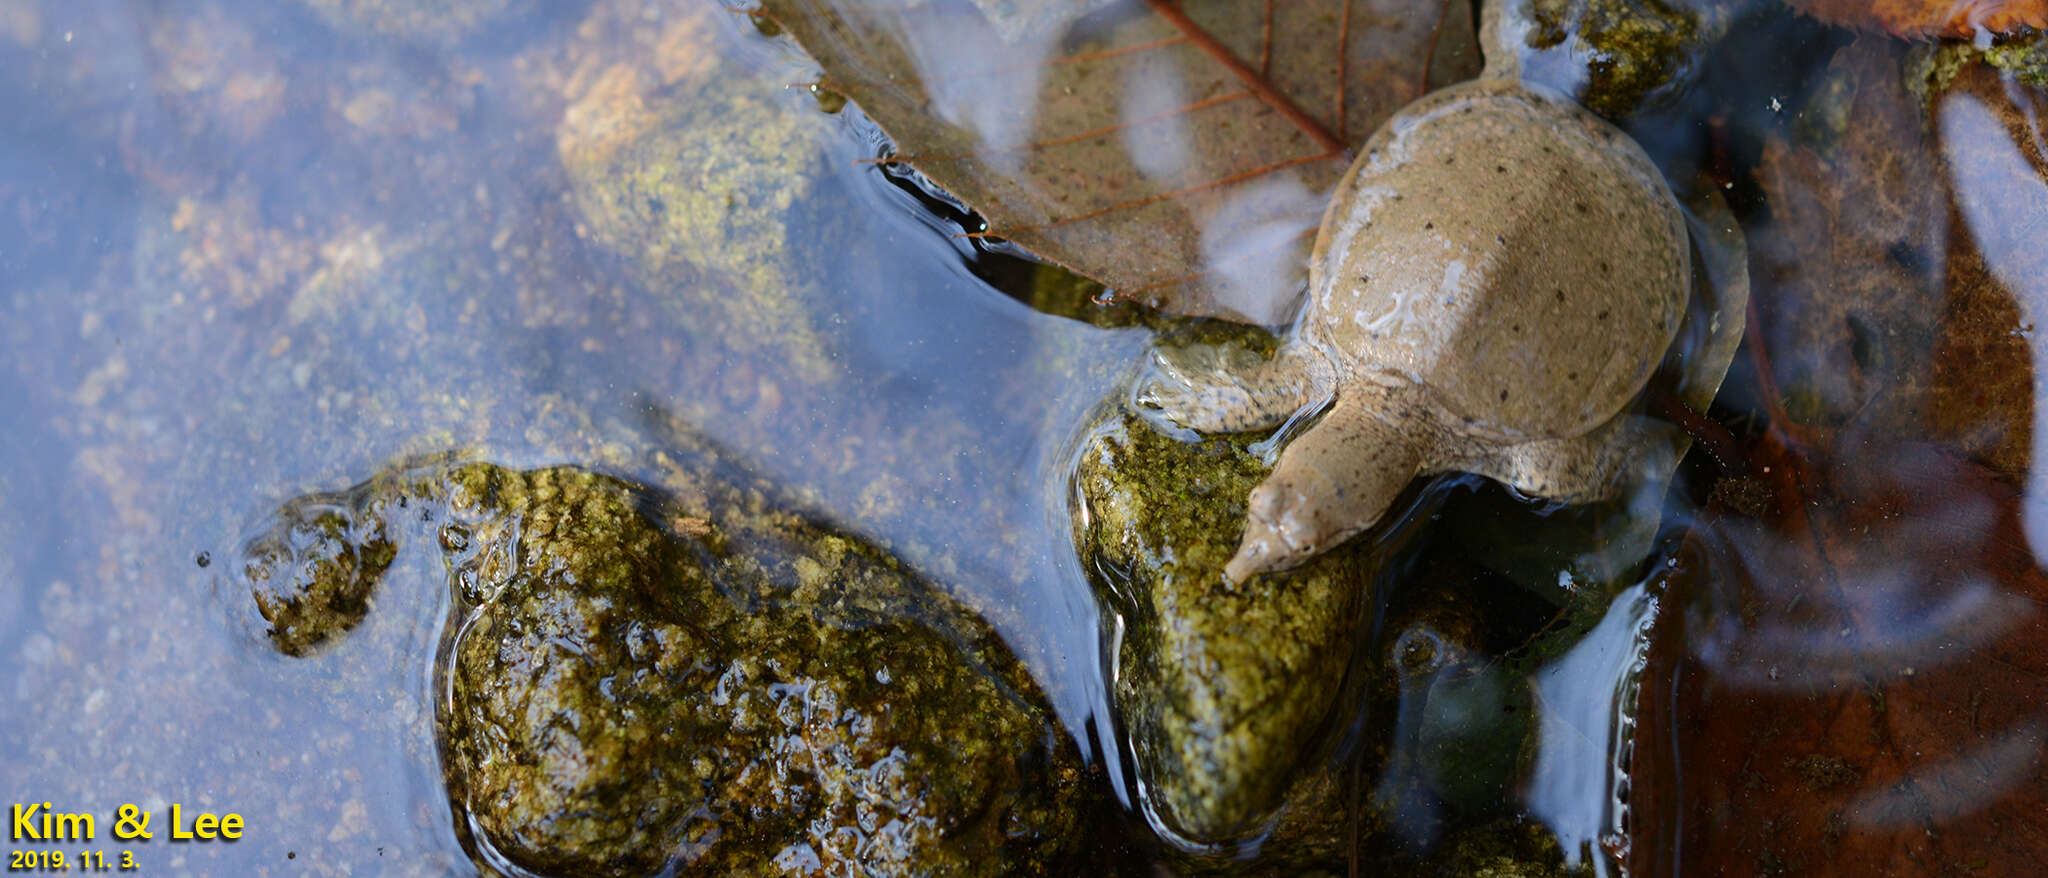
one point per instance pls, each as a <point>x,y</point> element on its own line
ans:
<point>426,21</point>
<point>312,572</point>
<point>701,186</point>
<point>702,679</point>
<point>2024,57</point>
<point>1221,687</point>
<point>1269,734</point>
<point>1459,719</point>
<point>1615,56</point>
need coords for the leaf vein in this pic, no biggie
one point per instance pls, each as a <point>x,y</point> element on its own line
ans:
<point>1239,177</point>
<point>1259,85</point>
<point>1069,138</point>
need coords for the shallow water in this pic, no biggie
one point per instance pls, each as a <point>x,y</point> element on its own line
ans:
<point>250,251</point>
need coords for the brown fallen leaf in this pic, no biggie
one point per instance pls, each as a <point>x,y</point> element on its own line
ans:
<point>1930,18</point>
<point>1849,266</point>
<point>1180,153</point>
<point>1854,676</point>
<point>1995,152</point>
<point>1886,309</point>
<point>1856,682</point>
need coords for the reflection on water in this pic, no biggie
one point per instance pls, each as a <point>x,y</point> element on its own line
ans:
<point>1587,709</point>
<point>1110,137</point>
<point>1849,677</point>
<point>2003,201</point>
<point>251,250</point>
<point>1848,670</point>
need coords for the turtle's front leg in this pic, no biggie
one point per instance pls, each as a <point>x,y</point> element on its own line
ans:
<point>1227,389</point>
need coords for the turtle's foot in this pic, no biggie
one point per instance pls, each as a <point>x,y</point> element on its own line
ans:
<point>1582,469</point>
<point>1222,389</point>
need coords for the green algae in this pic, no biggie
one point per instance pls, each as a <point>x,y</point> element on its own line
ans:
<point>1631,53</point>
<point>312,576</point>
<point>703,188</point>
<point>1222,687</point>
<point>637,677</point>
<point>739,263</point>
<point>425,21</point>
<point>1270,735</point>
<point>2024,57</point>
<point>1233,696</point>
<point>1508,848</point>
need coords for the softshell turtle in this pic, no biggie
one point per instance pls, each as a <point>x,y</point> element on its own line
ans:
<point>1495,279</point>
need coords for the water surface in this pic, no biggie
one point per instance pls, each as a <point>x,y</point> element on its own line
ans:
<point>251,250</point>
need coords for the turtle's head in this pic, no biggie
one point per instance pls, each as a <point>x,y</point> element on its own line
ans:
<point>1274,538</point>
<point>1284,527</point>
<point>1331,482</point>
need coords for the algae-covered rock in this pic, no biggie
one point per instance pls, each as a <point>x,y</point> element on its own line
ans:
<point>700,185</point>
<point>1461,730</point>
<point>1507,848</point>
<point>1441,731</point>
<point>2023,56</point>
<point>311,575</point>
<point>426,21</point>
<point>1268,736</point>
<point>1222,687</point>
<point>1616,56</point>
<point>701,679</point>
<point>1229,693</point>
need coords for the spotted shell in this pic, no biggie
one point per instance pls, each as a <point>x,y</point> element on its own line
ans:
<point>1514,254</point>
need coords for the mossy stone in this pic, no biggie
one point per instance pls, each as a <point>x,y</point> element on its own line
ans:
<point>422,21</point>
<point>1624,53</point>
<point>638,680</point>
<point>701,187</point>
<point>1222,687</point>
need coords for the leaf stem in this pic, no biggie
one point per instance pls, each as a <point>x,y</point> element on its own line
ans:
<point>1714,438</point>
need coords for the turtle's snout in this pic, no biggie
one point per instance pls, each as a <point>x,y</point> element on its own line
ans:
<point>1272,538</point>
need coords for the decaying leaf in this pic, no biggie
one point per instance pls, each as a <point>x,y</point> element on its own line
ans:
<point>1857,683</point>
<point>1849,268</point>
<point>1988,364</point>
<point>1896,273</point>
<point>1854,680</point>
<point>1931,18</point>
<point>1180,153</point>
